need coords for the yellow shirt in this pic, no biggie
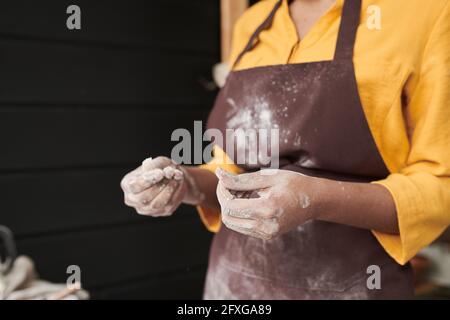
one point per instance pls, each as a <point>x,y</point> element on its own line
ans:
<point>402,65</point>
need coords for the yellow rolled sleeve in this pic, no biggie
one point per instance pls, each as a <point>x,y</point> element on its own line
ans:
<point>421,189</point>
<point>211,217</point>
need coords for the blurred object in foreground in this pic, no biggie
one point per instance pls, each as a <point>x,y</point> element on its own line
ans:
<point>432,272</point>
<point>21,283</point>
<point>230,11</point>
<point>220,73</point>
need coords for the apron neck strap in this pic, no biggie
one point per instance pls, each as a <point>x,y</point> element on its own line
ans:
<point>254,39</point>
<point>350,18</point>
<point>347,30</point>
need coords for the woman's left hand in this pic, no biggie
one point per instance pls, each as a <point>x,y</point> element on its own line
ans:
<point>266,203</point>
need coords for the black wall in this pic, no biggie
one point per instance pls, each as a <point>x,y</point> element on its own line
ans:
<point>78,109</point>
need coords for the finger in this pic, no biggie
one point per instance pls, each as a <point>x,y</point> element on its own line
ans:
<point>127,201</point>
<point>173,173</point>
<point>164,197</point>
<point>150,210</point>
<point>178,174</point>
<point>153,176</point>
<point>145,180</point>
<point>252,208</point>
<point>156,163</point>
<point>125,183</point>
<point>176,200</point>
<point>249,209</point>
<point>243,182</point>
<point>239,223</point>
<point>243,229</point>
<point>169,172</point>
<point>145,197</point>
<point>223,194</point>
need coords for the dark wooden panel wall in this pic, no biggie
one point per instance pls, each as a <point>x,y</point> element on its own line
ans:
<point>78,109</point>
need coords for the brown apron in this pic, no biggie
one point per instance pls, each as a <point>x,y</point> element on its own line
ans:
<point>324,133</point>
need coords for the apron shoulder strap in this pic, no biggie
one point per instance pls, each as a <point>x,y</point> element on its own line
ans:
<point>350,19</point>
<point>254,38</point>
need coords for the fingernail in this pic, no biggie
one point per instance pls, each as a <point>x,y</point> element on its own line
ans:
<point>169,172</point>
<point>146,161</point>
<point>178,174</point>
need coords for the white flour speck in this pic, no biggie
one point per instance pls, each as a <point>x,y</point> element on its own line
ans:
<point>297,140</point>
<point>304,201</point>
<point>253,114</point>
<point>265,116</point>
<point>232,102</point>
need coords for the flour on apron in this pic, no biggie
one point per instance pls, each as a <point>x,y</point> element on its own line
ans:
<point>323,132</point>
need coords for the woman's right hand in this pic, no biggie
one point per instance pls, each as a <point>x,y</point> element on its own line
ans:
<point>158,187</point>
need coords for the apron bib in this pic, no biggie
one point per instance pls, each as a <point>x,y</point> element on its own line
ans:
<point>323,132</point>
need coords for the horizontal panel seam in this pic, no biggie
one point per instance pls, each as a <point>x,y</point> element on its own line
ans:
<point>107,45</point>
<point>20,237</point>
